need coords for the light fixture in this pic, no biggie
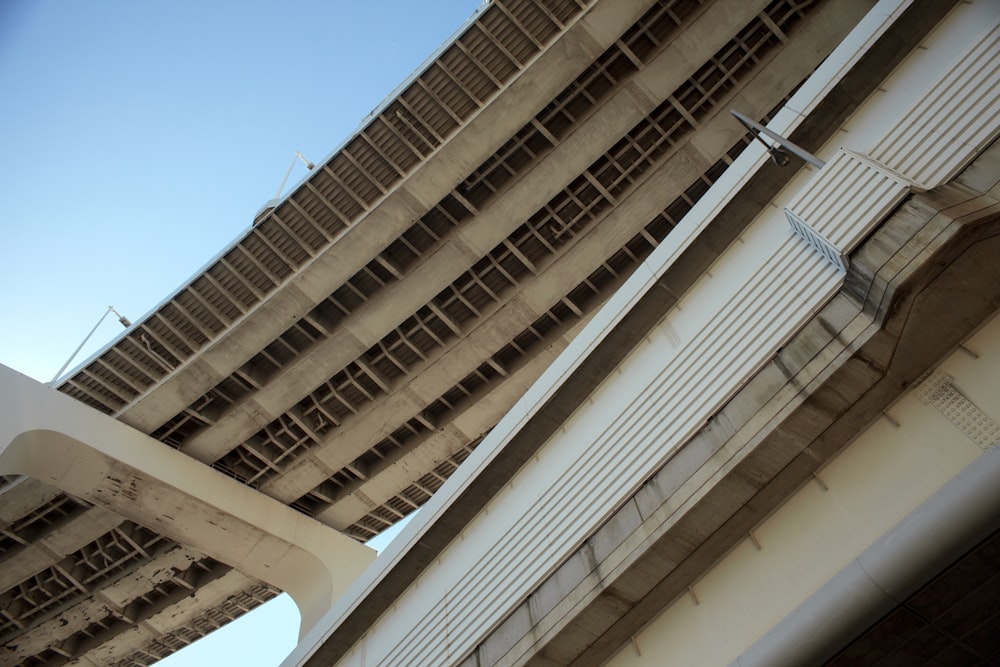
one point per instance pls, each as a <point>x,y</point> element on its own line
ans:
<point>780,150</point>
<point>271,203</point>
<point>111,309</point>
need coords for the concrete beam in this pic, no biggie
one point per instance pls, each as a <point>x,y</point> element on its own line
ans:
<point>889,511</point>
<point>861,77</point>
<point>570,53</point>
<point>51,437</point>
<point>474,419</point>
<point>827,383</point>
<point>506,212</point>
<point>168,629</point>
<point>111,604</point>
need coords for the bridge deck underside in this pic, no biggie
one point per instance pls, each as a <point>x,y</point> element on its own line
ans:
<point>347,373</point>
<point>918,318</point>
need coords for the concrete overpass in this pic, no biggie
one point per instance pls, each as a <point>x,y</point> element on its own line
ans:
<point>635,527</point>
<point>359,343</point>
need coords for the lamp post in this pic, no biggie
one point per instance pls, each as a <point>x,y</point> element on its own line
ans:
<point>782,147</point>
<point>271,203</point>
<point>111,309</point>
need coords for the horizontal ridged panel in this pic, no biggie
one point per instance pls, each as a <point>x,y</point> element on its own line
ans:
<point>619,443</point>
<point>958,111</point>
<point>848,197</point>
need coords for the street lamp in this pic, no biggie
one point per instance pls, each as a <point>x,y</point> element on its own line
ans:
<point>111,309</point>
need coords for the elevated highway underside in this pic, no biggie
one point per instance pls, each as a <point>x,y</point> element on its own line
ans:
<point>351,350</point>
<point>594,522</point>
<point>703,558</point>
<point>918,290</point>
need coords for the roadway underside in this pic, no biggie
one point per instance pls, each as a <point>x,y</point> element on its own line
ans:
<point>352,380</point>
<point>922,283</point>
<point>877,304</point>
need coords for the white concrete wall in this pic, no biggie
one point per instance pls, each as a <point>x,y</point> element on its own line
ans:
<point>755,296</point>
<point>49,436</point>
<point>885,474</point>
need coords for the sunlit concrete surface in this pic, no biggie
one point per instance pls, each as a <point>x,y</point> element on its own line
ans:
<point>638,472</point>
<point>549,293</point>
<point>48,437</point>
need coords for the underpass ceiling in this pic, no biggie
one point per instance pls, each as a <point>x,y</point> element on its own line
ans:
<point>284,240</point>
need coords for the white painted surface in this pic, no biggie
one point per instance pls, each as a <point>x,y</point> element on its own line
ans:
<point>49,436</point>
<point>885,474</point>
<point>756,296</point>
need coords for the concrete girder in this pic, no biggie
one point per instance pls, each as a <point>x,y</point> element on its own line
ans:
<point>280,313</point>
<point>633,90</point>
<point>111,602</point>
<point>837,375</point>
<point>55,439</point>
<point>165,630</point>
<point>480,413</point>
<point>863,75</point>
<point>383,415</point>
<point>57,544</point>
<point>22,497</point>
<point>511,108</point>
<point>506,212</point>
<point>912,492</point>
<point>650,196</point>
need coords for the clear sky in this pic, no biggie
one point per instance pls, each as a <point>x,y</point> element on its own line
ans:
<point>138,137</point>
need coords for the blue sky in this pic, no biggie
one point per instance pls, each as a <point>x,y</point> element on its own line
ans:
<point>138,137</point>
<point>261,638</point>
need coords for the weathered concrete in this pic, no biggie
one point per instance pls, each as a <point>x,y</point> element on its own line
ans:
<point>755,194</point>
<point>900,502</point>
<point>825,385</point>
<point>506,212</point>
<point>472,144</point>
<point>51,437</point>
<point>374,484</point>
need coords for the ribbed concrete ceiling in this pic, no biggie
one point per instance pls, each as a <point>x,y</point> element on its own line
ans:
<point>348,373</point>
